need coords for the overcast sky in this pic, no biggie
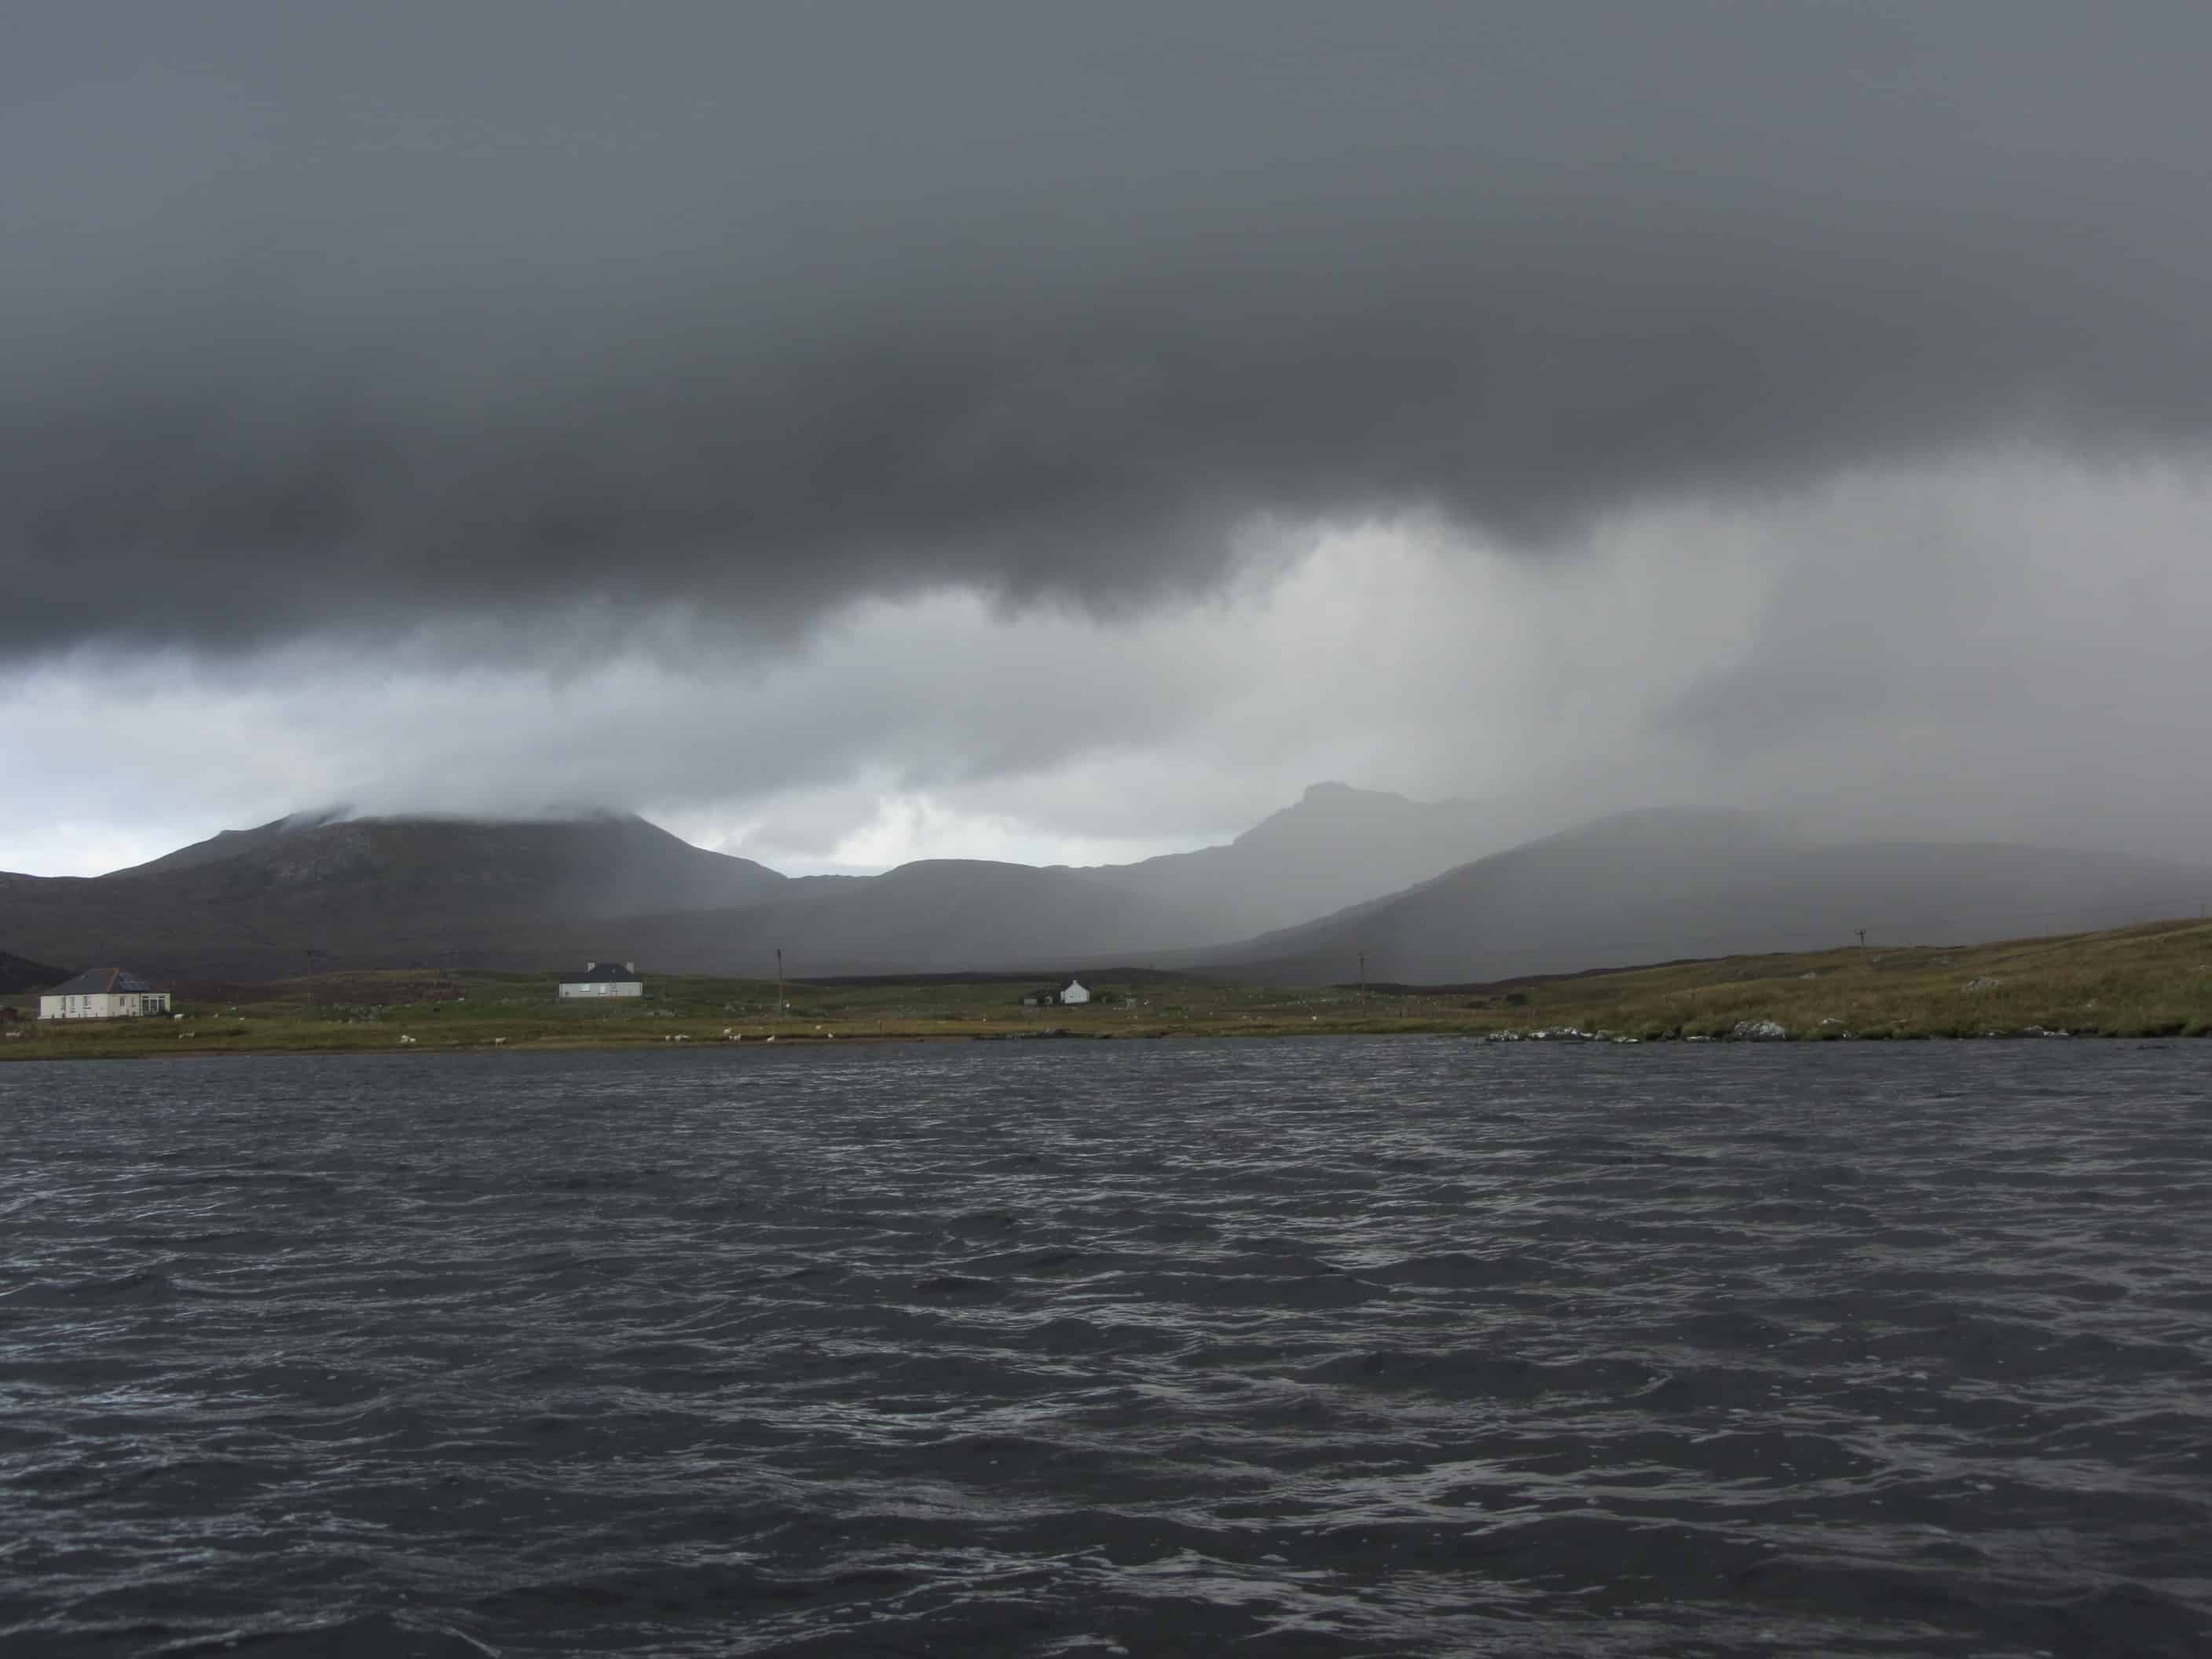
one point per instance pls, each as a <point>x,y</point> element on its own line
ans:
<point>853,433</point>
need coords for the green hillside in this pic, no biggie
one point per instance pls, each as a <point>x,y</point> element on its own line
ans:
<point>2149,980</point>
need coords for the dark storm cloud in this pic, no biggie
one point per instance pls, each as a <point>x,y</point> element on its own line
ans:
<point>323,319</point>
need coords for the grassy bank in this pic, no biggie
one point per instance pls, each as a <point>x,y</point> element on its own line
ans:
<point>2151,980</point>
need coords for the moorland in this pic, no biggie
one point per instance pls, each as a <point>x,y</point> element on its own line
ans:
<point>2148,981</point>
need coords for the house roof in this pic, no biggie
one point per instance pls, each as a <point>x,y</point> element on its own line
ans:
<point>605,973</point>
<point>100,982</point>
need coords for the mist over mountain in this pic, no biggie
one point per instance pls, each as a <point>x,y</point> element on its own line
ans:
<point>861,435</point>
<point>542,894</point>
<point>1337,846</point>
<point>394,891</point>
<point>1654,886</point>
<point>934,916</point>
<point>366,893</point>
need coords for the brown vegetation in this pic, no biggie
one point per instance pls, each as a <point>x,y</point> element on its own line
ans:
<point>2150,981</point>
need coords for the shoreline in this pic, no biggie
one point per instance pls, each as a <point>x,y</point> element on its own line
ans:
<point>2153,981</point>
<point>30,1053</point>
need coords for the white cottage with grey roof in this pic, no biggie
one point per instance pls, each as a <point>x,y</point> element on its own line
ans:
<point>103,993</point>
<point>605,979</point>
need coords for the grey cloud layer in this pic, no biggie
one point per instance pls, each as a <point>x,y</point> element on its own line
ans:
<point>2009,650</point>
<point>318,320</point>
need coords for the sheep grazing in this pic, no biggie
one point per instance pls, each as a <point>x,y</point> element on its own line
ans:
<point>406,1042</point>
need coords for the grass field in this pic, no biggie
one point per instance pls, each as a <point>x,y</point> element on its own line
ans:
<point>2150,981</point>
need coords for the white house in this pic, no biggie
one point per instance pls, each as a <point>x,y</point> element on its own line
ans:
<point>103,993</point>
<point>1074,992</point>
<point>605,979</point>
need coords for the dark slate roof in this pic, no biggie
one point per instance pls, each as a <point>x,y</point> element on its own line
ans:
<point>603,973</point>
<point>99,982</point>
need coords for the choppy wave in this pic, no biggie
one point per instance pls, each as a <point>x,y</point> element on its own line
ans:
<point>1303,1347</point>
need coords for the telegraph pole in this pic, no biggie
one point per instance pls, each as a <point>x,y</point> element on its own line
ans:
<point>1363,975</point>
<point>779,987</point>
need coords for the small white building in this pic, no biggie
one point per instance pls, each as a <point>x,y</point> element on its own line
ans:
<point>605,979</point>
<point>103,993</point>
<point>1073,995</point>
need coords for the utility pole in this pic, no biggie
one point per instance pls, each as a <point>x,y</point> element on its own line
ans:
<point>1363,975</point>
<point>779,987</point>
<point>1862,932</point>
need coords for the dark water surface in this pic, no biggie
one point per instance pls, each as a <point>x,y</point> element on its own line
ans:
<point>1367,1346</point>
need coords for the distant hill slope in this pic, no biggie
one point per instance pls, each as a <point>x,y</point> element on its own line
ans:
<point>402,893</point>
<point>21,974</point>
<point>1335,846</point>
<point>425,892</point>
<point>1658,885</point>
<point>226,844</point>
<point>250,902</point>
<point>405,892</point>
<point>937,915</point>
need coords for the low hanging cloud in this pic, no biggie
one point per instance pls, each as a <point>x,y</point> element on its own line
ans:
<point>337,321</point>
<point>2006,648</point>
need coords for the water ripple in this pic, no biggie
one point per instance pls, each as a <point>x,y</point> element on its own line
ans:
<point>1318,1348</point>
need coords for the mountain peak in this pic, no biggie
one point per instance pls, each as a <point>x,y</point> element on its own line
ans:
<point>1333,809</point>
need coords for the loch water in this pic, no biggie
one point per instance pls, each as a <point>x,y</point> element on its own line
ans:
<point>1363,1347</point>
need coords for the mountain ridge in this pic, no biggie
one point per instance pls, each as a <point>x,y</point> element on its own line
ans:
<point>324,891</point>
<point>1293,863</point>
<point>329,886</point>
